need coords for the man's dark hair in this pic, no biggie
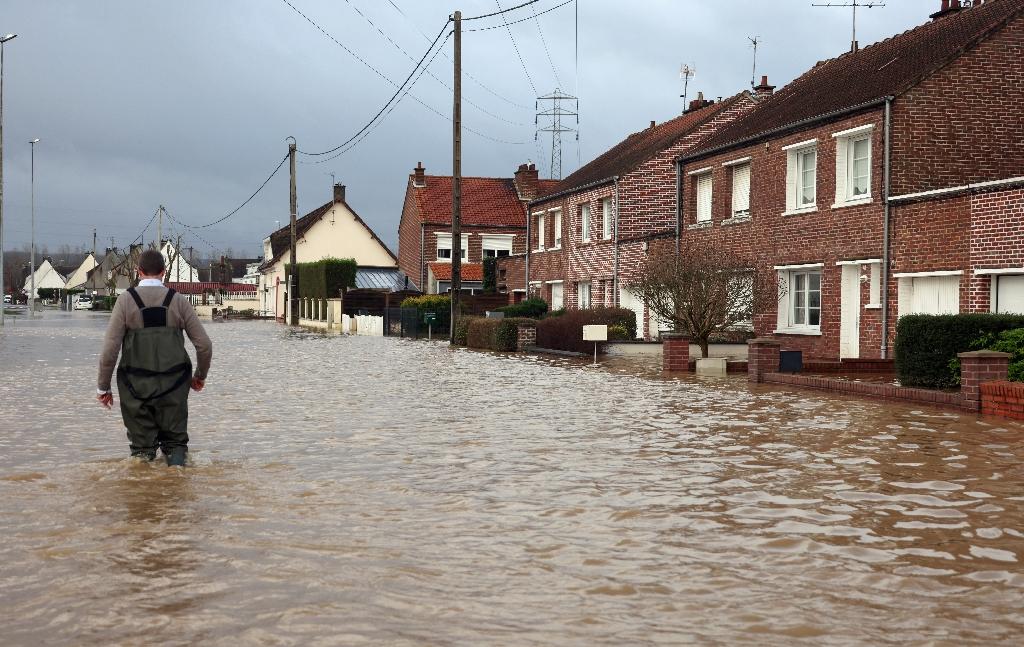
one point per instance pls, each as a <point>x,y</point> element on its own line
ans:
<point>151,262</point>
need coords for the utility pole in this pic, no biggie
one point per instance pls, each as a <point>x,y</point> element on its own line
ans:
<point>686,72</point>
<point>556,128</point>
<point>160,228</point>
<point>293,282</point>
<point>32,295</point>
<point>3,290</point>
<point>456,181</point>
<point>94,247</point>
<point>870,4</point>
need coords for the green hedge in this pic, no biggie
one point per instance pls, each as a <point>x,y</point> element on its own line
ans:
<point>1008,341</point>
<point>530,308</point>
<point>495,334</point>
<point>490,275</point>
<point>326,278</point>
<point>439,304</point>
<point>565,332</point>
<point>927,345</point>
<point>462,330</point>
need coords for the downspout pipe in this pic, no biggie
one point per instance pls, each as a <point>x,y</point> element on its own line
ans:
<point>615,270</point>
<point>423,261</point>
<point>679,202</point>
<point>886,190</point>
<point>529,218</point>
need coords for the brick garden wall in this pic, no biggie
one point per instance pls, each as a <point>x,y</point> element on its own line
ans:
<point>1004,399</point>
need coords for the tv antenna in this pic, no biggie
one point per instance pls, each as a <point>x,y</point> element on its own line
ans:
<point>869,4</point>
<point>686,72</point>
<point>755,41</point>
<point>556,128</point>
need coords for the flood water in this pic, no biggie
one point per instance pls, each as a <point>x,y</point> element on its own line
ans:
<point>350,491</point>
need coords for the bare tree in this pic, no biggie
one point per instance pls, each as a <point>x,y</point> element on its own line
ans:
<point>703,290</point>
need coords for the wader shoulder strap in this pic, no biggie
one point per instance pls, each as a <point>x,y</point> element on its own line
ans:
<point>170,295</point>
<point>137,298</point>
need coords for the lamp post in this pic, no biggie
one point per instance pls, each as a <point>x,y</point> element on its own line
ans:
<point>32,266</point>
<point>3,39</point>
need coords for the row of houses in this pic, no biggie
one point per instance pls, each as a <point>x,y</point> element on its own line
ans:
<point>883,182</point>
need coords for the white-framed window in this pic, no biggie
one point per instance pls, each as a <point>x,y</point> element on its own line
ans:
<point>583,295</point>
<point>800,305</point>
<point>496,245</point>
<point>741,190</point>
<point>584,222</point>
<point>557,295</point>
<point>704,197</point>
<point>802,176</point>
<point>606,218</point>
<point>1008,293</point>
<point>556,217</point>
<point>540,232</point>
<point>928,293</point>
<point>853,165</point>
<point>444,247</point>
<point>536,289</point>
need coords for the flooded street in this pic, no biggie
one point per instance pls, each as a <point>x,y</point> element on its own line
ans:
<point>377,491</point>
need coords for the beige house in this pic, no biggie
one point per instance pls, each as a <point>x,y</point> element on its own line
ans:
<point>76,279</point>
<point>332,230</point>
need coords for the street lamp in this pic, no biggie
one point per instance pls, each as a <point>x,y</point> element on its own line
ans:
<point>32,266</point>
<point>3,39</point>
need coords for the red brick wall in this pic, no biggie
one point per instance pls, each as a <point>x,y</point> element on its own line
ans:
<point>409,260</point>
<point>825,236</point>
<point>963,124</point>
<point>1004,399</point>
<point>997,240</point>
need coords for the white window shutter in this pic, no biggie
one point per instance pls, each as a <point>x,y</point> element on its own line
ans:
<point>791,183</point>
<point>741,189</point>
<point>842,155</point>
<point>704,197</point>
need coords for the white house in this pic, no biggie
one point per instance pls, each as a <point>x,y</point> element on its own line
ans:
<point>45,277</point>
<point>332,230</point>
<point>179,270</point>
<point>76,279</point>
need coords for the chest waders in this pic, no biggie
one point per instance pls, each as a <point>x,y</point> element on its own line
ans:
<point>153,381</point>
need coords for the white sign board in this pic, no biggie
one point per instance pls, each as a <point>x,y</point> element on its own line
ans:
<point>595,333</point>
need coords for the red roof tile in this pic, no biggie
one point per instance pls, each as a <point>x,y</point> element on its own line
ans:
<point>470,271</point>
<point>638,148</point>
<point>199,288</point>
<point>485,201</point>
<point>886,68</point>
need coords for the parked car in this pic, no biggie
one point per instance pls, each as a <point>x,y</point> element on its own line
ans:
<point>84,302</point>
<point>7,298</point>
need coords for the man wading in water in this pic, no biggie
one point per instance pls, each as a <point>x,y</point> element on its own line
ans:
<point>155,373</point>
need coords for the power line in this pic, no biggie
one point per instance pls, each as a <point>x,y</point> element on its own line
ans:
<point>432,75</point>
<point>557,6</point>
<point>502,11</point>
<point>247,200</point>
<point>468,75</point>
<point>547,51</point>
<point>516,47</point>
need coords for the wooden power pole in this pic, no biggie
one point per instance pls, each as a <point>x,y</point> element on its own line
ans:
<point>457,179</point>
<point>293,282</point>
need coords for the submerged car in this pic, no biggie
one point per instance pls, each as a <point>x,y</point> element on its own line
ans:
<point>84,302</point>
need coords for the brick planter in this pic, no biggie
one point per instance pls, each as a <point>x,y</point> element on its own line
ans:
<point>762,358</point>
<point>675,352</point>
<point>526,336</point>
<point>980,366</point>
<point>1004,399</point>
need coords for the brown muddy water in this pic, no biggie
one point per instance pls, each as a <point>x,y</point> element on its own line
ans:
<point>350,491</point>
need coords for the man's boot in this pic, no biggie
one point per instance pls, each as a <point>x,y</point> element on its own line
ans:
<point>176,457</point>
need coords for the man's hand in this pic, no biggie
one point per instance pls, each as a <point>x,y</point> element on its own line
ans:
<point>106,399</point>
<point>197,384</point>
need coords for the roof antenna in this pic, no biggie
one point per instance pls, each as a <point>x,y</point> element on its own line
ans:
<point>755,41</point>
<point>868,4</point>
<point>686,72</point>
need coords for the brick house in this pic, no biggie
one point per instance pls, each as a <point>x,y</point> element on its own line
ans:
<point>593,229</point>
<point>493,224</point>
<point>892,170</point>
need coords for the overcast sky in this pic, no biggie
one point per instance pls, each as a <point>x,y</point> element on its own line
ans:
<point>188,103</point>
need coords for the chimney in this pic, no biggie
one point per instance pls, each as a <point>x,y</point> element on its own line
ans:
<point>764,90</point>
<point>339,192</point>
<point>526,181</point>
<point>652,124</point>
<point>948,7</point>
<point>419,175</point>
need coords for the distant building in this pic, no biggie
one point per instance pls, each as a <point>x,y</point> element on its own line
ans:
<point>46,277</point>
<point>78,276</point>
<point>179,270</point>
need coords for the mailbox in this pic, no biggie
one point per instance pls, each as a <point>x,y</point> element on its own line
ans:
<point>595,333</point>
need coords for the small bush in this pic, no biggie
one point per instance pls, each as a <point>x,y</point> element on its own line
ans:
<point>1008,341</point>
<point>494,334</point>
<point>462,330</point>
<point>617,332</point>
<point>927,345</point>
<point>490,275</point>
<point>565,332</point>
<point>439,304</point>
<point>506,337</point>
<point>530,308</point>
<point>556,313</point>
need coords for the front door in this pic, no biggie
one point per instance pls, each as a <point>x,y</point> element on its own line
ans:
<point>849,314</point>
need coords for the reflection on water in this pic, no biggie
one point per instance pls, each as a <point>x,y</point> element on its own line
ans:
<point>379,491</point>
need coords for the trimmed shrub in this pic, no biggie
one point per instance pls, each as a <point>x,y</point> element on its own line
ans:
<point>529,308</point>
<point>617,332</point>
<point>481,332</point>
<point>507,334</point>
<point>495,334</point>
<point>1008,341</point>
<point>556,313</point>
<point>462,330</point>
<point>927,345</point>
<point>565,332</point>
<point>490,275</point>
<point>324,279</point>
<point>439,304</point>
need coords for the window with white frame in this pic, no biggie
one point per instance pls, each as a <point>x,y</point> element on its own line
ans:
<point>444,247</point>
<point>802,176</point>
<point>584,223</point>
<point>704,197</point>
<point>495,245</point>
<point>741,190</point>
<point>583,295</point>
<point>853,165</point>
<point>540,232</point>
<point>557,299</point>
<point>800,301</point>
<point>556,216</point>
<point>606,218</point>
